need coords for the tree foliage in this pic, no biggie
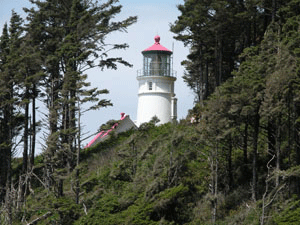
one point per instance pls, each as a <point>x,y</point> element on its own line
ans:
<point>46,57</point>
<point>257,111</point>
<point>217,32</point>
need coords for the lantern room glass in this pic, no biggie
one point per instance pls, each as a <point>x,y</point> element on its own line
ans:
<point>156,64</point>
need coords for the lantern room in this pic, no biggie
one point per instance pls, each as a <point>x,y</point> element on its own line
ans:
<point>157,60</point>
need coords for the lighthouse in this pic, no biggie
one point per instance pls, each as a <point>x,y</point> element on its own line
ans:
<point>156,80</point>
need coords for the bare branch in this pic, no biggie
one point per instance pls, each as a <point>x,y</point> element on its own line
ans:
<point>47,214</point>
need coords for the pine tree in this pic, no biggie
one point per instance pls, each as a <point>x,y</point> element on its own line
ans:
<point>5,139</point>
<point>217,32</point>
<point>72,40</point>
<point>12,118</point>
<point>14,68</point>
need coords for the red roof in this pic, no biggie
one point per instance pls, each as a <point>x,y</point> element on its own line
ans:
<point>157,46</point>
<point>102,134</point>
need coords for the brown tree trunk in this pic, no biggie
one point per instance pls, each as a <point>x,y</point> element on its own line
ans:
<point>214,182</point>
<point>278,154</point>
<point>8,200</point>
<point>25,152</point>
<point>33,130</point>
<point>245,144</point>
<point>78,155</point>
<point>254,161</point>
<point>229,161</point>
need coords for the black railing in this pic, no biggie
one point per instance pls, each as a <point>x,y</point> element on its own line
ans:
<point>157,72</point>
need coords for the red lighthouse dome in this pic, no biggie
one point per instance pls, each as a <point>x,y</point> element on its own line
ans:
<point>157,47</point>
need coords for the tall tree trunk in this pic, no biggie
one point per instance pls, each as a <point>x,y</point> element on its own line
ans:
<point>52,141</point>
<point>53,115</point>
<point>73,131</point>
<point>5,151</point>
<point>296,131</point>
<point>9,184</point>
<point>78,155</point>
<point>278,143</point>
<point>33,128</point>
<point>229,161</point>
<point>214,182</point>
<point>245,144</point>
<point>273,10</point>
<point>206,80</point>
<point>271,138</point>
<point>219,59</point>
<point>25,150</point>
<point>8,200</point>
<point>290,129</point>
<point>201,85</point>
<point>254,161</point>
<point>254,41</point>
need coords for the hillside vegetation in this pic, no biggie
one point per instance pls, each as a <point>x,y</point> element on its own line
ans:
<point>159,175</point>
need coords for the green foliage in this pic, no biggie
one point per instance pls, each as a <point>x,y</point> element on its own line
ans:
<point>217,32</point>
<point>107,125</point>
<point>290,214</point>
<point>153,176</point>
<point>135,185</point>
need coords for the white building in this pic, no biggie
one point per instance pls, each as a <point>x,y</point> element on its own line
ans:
<point>156,95</point>
<point>124,124</point>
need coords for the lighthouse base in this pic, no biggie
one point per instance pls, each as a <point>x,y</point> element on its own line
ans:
<point>154,104</point>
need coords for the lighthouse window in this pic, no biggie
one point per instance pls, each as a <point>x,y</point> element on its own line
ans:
<point>156,64</point>
<point>150,86</point>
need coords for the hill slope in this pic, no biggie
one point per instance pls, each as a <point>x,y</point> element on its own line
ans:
<point>156,175</point>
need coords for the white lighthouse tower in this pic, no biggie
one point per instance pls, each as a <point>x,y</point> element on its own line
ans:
<point>156,95</point>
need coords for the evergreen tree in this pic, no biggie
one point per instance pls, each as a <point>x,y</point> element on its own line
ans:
<point>12,119</point>
<point>72,38</point>
<point>217,32</point>
<point>20,98</point>
<point>5,139</point>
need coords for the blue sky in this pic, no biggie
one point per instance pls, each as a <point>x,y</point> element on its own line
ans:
<point>154,17</point>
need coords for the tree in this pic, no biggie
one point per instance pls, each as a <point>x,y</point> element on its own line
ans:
<point>12,118</point>
<point>72,39</point>
<point>17,77</point>
<point>4,113</point>
<point>217,32</point>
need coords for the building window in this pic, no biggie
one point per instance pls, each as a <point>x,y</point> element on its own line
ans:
<point>150,86</point>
